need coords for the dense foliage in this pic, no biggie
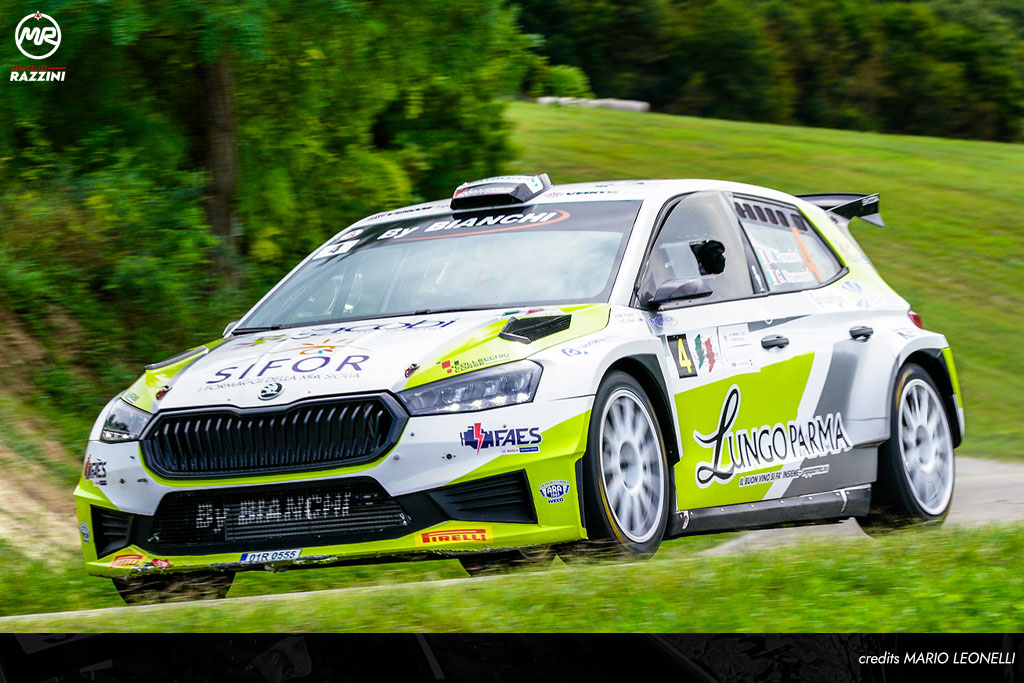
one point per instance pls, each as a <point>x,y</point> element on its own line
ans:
<point>952,68</point>
<point>196,151</point>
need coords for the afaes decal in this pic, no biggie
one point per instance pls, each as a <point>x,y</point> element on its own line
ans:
<point>735,452</point>
<point>521,440</point>
<point>555,491</point>
<point>492,223</point>
<point>95,470</point>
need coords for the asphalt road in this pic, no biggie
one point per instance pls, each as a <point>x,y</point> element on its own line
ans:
<point>987,492</point>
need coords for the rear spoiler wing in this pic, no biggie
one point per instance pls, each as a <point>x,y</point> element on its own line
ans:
<point>848,205</point>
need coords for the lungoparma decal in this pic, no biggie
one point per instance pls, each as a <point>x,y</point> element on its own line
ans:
<point>742,450</point>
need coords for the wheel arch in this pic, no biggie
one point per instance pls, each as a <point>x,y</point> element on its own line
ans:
<point>934,364</point>
<point>646,369</point>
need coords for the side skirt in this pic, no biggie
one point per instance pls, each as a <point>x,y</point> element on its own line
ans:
<point>831,506</point>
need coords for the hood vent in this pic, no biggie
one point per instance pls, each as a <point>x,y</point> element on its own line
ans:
<point>527,330</point>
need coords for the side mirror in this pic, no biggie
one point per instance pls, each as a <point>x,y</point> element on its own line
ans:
<point>230,328</point>
<point>678,290</point>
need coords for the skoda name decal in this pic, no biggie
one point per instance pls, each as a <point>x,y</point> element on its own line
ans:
<point>741,450</point>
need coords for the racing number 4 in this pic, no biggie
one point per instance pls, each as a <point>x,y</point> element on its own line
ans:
<point>681,356</point>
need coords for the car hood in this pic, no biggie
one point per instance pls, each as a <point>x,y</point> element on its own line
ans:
<point>383,354</point>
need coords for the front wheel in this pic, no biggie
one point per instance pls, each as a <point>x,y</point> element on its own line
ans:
<point>915,466</point>
<point>174,587</point>
<point>625,472</point>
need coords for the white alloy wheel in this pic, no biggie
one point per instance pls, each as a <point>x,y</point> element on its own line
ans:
<point>926,446</point>
<point>632,467</point>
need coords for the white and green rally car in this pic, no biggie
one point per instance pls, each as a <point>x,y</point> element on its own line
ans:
<point>527,368</point>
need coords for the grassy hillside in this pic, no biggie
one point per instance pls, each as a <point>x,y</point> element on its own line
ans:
<point>949,580</point>
<point>955,248</point>
<point>954,245</point>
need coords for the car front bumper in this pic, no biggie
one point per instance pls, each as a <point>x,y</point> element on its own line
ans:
<point>454,499</point>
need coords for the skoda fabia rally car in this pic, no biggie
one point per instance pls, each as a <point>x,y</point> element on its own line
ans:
<point>526,369</point>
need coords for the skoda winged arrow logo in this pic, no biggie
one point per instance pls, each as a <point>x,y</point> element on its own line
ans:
<point>272,390</point>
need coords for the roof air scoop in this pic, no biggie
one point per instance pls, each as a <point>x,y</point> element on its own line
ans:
<point>499,191</point>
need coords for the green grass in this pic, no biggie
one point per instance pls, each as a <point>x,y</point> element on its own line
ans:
<point>60,584</point>
<point>955,210</point>
<point>946,580</point>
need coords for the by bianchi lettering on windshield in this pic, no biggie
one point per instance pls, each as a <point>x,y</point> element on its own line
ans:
<point>483,224</point>
<point>738,451</point>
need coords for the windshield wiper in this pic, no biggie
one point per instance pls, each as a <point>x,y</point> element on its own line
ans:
<point>247,330</point>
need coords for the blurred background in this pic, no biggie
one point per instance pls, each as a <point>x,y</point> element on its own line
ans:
<point>196,151</point>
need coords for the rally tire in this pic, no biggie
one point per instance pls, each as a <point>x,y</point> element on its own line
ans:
<point>625,473</point>
<point>915,466</point>
<point>174,587</point>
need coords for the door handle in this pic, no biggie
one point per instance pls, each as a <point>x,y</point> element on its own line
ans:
<point>774,341</point>
<point>862,332</point>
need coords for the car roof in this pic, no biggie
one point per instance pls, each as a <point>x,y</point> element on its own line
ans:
<point>605,190</point>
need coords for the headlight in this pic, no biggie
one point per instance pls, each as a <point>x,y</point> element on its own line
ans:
<point>124,422</point>
<point>503,385</point>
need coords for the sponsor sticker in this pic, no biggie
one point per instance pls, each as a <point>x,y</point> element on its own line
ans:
<point>515,440</point>
<point>555,491</point>
<point>582,349</point>
<point>95,470</point>
<point>271,556</point>
<point>475,534</point>
<point>304,367</point>
<point>455,367</point>
<point>83,528</point>
<point>744,450</point>
<point>126,560</point>
<point>162,564</point>
<point>662,321</point>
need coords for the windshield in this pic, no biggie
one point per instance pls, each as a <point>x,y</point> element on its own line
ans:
<point>491,258</point>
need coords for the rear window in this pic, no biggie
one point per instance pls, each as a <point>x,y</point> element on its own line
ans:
<point>791,253</point>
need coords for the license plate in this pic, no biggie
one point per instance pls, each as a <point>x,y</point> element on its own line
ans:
<point>271,556</point>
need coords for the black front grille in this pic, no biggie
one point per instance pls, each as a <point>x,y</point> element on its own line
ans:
<point>221,442</point>
<point>274,517</point>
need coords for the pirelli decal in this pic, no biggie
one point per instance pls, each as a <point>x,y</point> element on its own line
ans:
<point>475,534</point>
<point>681,355</point>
